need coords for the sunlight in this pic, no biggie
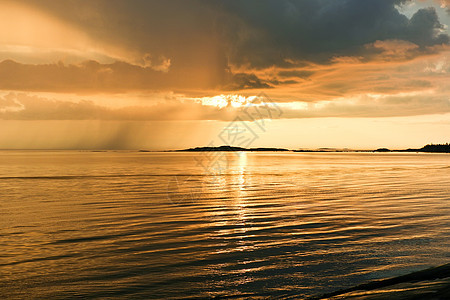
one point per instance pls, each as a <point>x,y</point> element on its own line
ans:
<point>222,101</point>
<point>242,166</point>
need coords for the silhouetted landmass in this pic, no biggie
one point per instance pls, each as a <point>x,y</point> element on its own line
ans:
<point>382,150</point>
<point>303,150</point>
<point>433,283</point>
<point>439,148</point>
<point>319,150</point>
<point>229,148</point>
<point>268,149</point>
<point>431,148</point>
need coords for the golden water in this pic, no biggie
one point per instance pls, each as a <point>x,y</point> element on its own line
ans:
<point>159,225</point>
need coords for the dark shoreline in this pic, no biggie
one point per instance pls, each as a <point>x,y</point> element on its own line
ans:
<point>432,283</point>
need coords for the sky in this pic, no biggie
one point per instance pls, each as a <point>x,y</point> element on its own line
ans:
<point>171,74</point>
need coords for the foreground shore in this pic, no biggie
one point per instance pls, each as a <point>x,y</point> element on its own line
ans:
<point>433,283</point>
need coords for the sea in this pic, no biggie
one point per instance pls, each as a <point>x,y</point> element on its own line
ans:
<point>181,225</point>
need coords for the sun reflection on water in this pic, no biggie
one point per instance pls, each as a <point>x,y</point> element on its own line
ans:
<point>242,164</point>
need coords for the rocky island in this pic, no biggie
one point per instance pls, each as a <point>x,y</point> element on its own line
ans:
<point>229,148</point>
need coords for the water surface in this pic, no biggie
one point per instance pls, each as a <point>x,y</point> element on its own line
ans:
<point>161,225</point>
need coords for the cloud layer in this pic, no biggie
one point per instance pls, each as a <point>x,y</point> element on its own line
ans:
<point>319,58</point>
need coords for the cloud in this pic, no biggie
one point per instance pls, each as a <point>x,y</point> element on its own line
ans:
<point>216,34</point>
<point>25,106</point>
<point>264,33</point>
<point>393,69</point>
<point>298,50</point>
<point>241,81</point>
<point>394,49</point>
<point>92,76</point>
<point>142,33</point>
<point>303,74</point>
<point>374,106</point>
<point>32,35</point>
<point>444,4</point>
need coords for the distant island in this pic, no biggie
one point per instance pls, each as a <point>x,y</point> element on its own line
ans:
<point>435,148</point>
<point>430,148</point>
<point>229,148</point>
<point>325,150</point>
<point>382,150</point>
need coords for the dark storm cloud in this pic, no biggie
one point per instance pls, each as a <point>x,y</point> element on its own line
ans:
<point>276,32</point>
<point>296,73</point>
<point>241,81</point>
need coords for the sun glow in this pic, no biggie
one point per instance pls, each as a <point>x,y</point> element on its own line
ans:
<point>222,101</point>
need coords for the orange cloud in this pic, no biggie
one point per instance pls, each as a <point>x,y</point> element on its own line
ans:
<point>29,34</point>
<point>191,53</point>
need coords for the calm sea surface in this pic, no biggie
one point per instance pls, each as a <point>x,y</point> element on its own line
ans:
<point>159,225</point>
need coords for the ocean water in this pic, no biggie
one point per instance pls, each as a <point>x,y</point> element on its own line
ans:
<point>200,225</point>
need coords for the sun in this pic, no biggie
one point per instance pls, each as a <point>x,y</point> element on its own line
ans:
<point>231,100</point>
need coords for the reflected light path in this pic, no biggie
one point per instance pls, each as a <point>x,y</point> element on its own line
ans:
<point>242,168</point>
